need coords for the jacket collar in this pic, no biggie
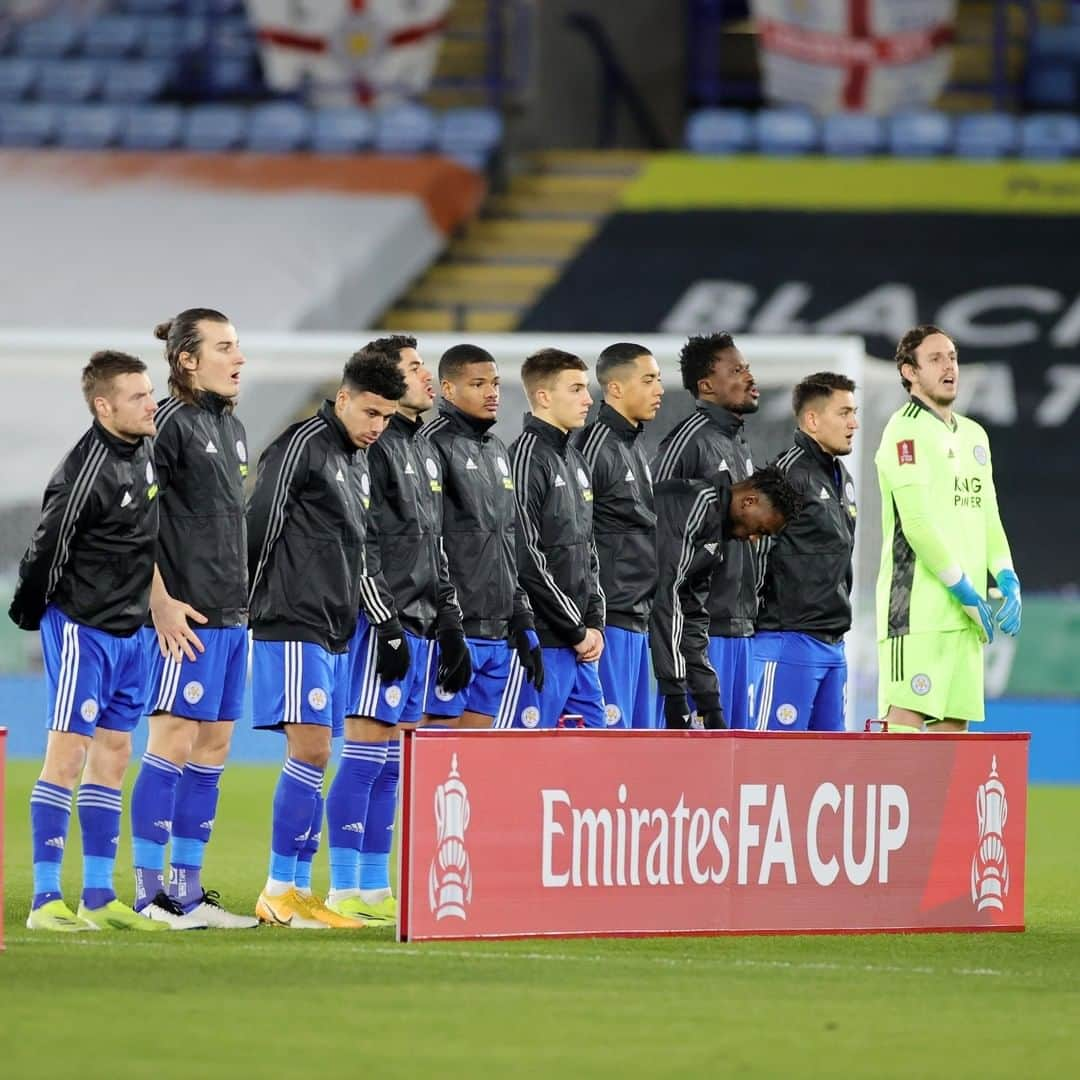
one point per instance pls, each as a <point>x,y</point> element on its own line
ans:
<point>211,402</point>
<point>918,402</point>
<point>120,447</point>
<point>728,422</point>
<point>403,424</point>
<point>618,423</point>
<point>548,432</point>
<point>469,425</point>
<point>326,411</point>
<point>823,457</point>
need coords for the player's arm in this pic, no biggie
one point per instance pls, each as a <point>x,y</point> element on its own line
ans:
<point>999,558</point>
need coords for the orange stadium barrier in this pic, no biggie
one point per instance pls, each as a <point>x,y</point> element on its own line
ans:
<point>562,833</point>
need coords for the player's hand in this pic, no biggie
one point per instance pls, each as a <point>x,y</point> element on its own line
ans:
<point>590,647</point>
<point>455,661</point>
<point>1008,615</point>
<point>975,607</point>
<point>530,655</point>
<point>392,657</point>
<point>176,638</point>
<point>676,712</point>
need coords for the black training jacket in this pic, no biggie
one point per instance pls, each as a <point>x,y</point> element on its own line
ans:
<point>307,524</point>
<point>624,522</point>
<point>556,557</point>
<point>405,544</point>
<point>806,574</point>
<point>478,523</point>
<point>691,519</point>
<point>92,553</point>
<point>710,445</point>
<point>200,452</point>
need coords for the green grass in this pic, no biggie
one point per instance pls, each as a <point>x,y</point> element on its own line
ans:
<point>271,1002</point>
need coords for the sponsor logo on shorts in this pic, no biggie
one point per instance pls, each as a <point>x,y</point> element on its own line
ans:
<point>317,698</point>
<point>981,456</point>
<point>612,715</point>
<point>443,695</point>
<point>193,692</point>
<point>920,684</point>
<point>392,696</point>
<point>530,716</point>
<point>88,710</point>
<point>787,714</point>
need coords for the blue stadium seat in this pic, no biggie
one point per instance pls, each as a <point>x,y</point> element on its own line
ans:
<point>215,127</point>
<point>719,131</point>
<point>404,129</point>
<point>341,131</point>
<point>89,127</point>
<point>17,78</point>
<point>985,135</point>
<point>112,36</point>
<point>172,36</point>
<point>69,80</point>
<point>1049,136</point>
<point>785,131</point>
<point>152,127</point>
<point>919,134</point>
<point>49,38</point>
<point>278,128</point>
<point>1056,42</point>
<point>1052,86</point>
<point>137,80</point>
<point>153,7</point>
<point>28,125</point>
<point>852,134</point>
<point>469,135</point>
<point>229,77</point>
<point>232,38</point>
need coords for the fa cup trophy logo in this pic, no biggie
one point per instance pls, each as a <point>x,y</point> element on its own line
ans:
<point>990,866</point>
<point>450,879</point>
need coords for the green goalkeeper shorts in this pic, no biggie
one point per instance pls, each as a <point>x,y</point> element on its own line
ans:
<point>938,675</point>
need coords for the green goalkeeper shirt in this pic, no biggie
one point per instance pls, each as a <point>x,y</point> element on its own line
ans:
<point>939,516</point>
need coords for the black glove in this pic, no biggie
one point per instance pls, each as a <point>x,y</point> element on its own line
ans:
<point>391,652</point>
<point>530,655</point>
<point>455,662</point>
<point>676,712</point>
<point>710,711</point>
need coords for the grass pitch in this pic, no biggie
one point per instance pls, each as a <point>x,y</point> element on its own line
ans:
<point>277,1003</point>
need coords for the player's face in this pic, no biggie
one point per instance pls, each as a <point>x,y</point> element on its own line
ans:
<point>731,384</point>
<point>217,366</point>
<point>128,408</point>
<point>419,386</point>
<point>364,414</point>
<point>937,376</point>
<point>475,391</point>
<point>640,392</point>
<point>832,422</point>
<point>568,399</point>
<point>753,517</point>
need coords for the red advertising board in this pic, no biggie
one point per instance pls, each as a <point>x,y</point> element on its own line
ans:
<point>515,834</point>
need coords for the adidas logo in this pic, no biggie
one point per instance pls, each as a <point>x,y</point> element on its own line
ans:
<point>354,826</point>
<point>340,479</point>
<point>952,453</point>
<point>711,548</point>
<point>723,466</point>
<point>210,447</point>
<point>166,825</point>
<point>560,482</point>
<point>55,841</point>
<point>409,470</point>
<point>824,493</point>
<point>629,475</point>
<point>470,464</point>
<point>207,825</point>
<point>115,840</point>
<point>302,837</point>
<point>126,500</point>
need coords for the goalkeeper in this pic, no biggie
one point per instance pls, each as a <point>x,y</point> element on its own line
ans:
<point>941,535</point>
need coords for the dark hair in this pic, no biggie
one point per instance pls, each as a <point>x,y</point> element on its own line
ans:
<point>906,346</point>
<point>373,372</point>
<point>698,356</point>
<point>544,365</point>
<point>616,356</point>
<point>776,487</point>
<point>102,368</point>
<point>818,386</point>
<point>389,346</point>
<point>181,335</point>
<point>458,357</point>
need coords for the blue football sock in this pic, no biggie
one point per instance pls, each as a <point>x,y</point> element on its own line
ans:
<point>347,809</point>
<point>298,789</point>
<point>99,820</point>
<point>307,853</point>
<point>196,805</point>
<point>379,827</point>
<point>50,818</point>
<point>152,801</point>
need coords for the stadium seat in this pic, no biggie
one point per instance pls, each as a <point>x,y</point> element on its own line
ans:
<point>168,36</point>
<point>152,127</point>
<point>215,127</point>
<point>28,125</point>
<point>785,131</point>
<point>469,135</point>
<point>112,36</point>
<point>719,131</point>
<point>89,127</point>
<point>232,38</point>
<point>69,80</point>
<point>341,130</point>
<point>1049,136</point>
<point>17,78</point>
<point>1052,86</point>
<point>153,7</point>
<point>49,38</point>
<point>919,134</point>
<point>229,77</point>
<point>137,80</point>
<point>985,135</point>
<point>852,134</point>
<point>278,128</point>
<point>404,129</point>
<point>1056,42</point>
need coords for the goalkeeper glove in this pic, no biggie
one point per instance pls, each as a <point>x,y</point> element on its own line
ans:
<point>391,652</point>
<point>975,607</point>
<point>455,661</point>
<point>530,655</point>
<point>676,712</point>
<point>1008,615</point>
